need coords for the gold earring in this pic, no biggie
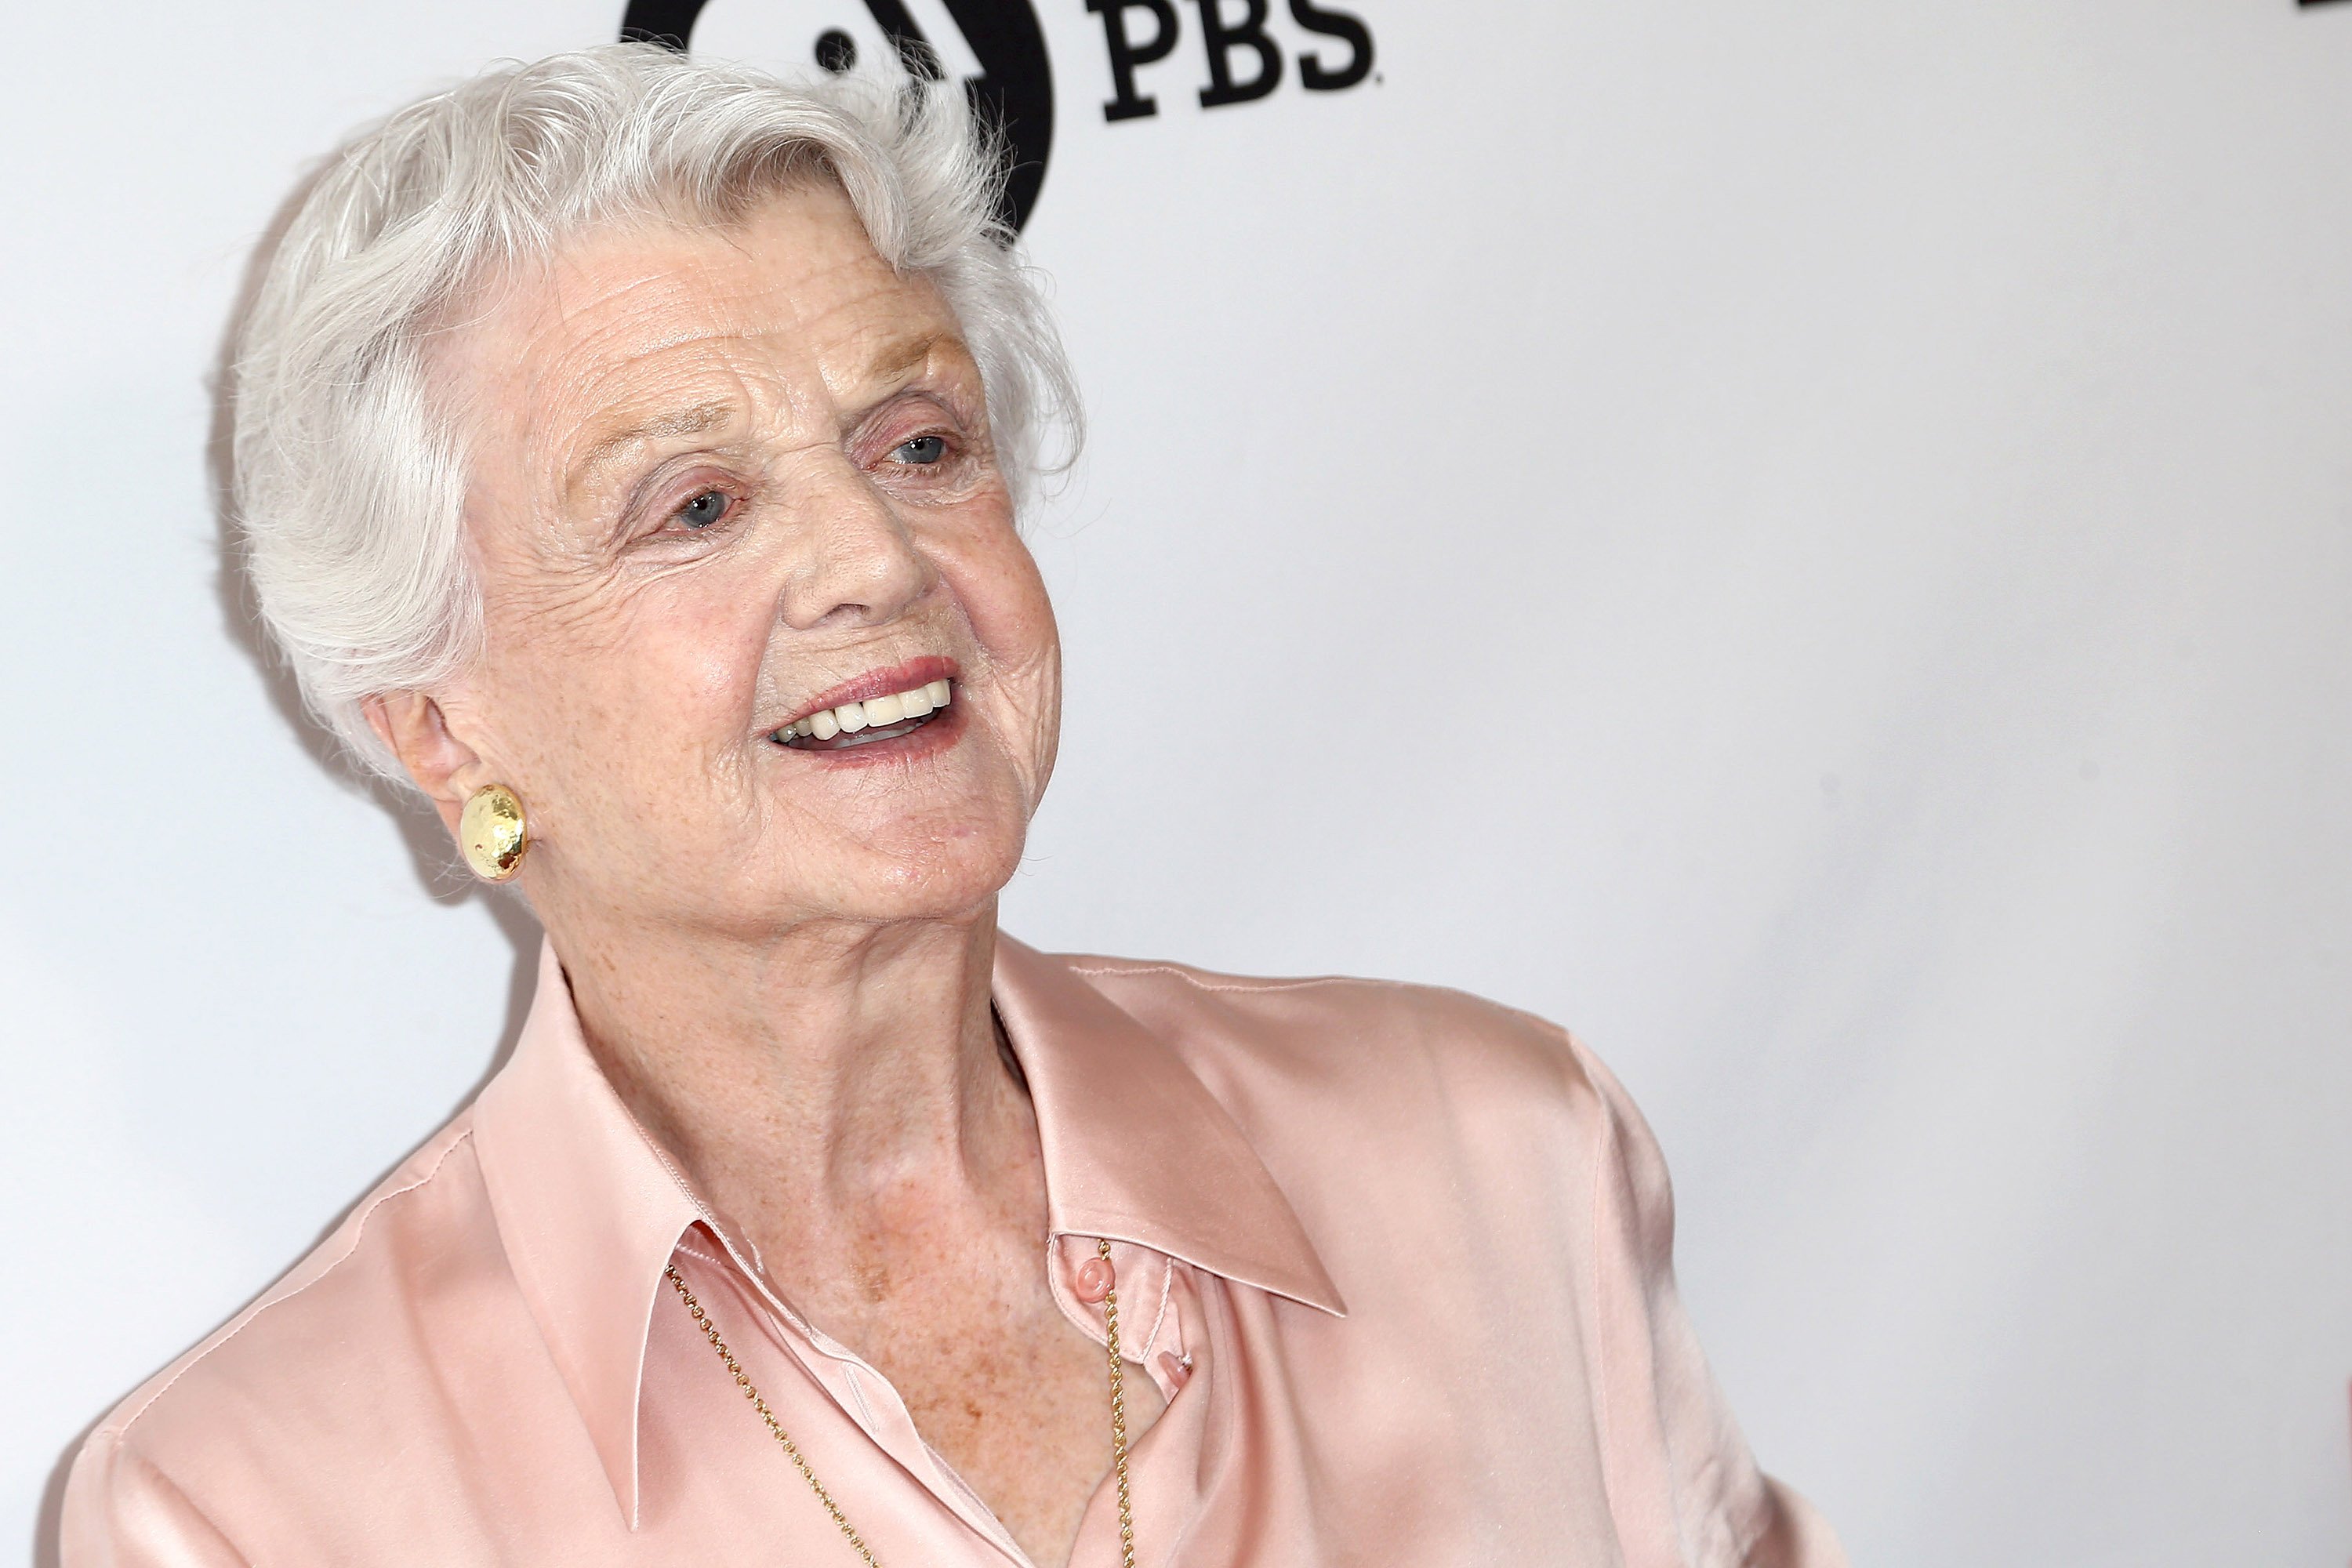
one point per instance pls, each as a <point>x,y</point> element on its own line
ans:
<point>493,833</point>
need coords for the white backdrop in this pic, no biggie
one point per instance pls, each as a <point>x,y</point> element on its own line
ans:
<point>1812,542</point>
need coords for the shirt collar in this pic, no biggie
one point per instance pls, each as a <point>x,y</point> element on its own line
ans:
<point>1137,1149</point>
<point>589,1210</point>
<point>590,1207</point>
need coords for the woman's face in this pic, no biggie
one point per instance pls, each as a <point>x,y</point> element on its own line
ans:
<point>721,481</point>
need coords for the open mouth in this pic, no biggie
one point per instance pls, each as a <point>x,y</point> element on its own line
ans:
<point>863,723</point>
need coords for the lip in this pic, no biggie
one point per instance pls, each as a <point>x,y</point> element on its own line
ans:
<point>883,682</point>
<point>934,735</point>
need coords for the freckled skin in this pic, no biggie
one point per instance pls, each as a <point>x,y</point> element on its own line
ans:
<point>700,494</point>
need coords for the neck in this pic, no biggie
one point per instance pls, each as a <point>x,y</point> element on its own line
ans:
<point>831,1090</point>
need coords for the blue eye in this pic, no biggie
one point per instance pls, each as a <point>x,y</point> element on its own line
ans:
<point>922,449</point>
<point>703,509</point>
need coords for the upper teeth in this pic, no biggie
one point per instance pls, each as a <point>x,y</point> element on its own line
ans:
<point>852,717</point>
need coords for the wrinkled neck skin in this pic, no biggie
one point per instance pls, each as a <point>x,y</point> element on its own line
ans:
<point>836,1090</point>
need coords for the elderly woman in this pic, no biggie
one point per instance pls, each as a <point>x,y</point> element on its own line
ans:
<point>630,453</point>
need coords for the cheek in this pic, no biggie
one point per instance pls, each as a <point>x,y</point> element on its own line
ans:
<point>660,681</point>
<point>1012,621</point>
<point>998,584</point>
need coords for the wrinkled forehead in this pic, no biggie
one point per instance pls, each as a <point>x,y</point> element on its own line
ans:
<point>785,309</point>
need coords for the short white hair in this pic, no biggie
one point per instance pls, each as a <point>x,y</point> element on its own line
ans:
<point>347,482</point>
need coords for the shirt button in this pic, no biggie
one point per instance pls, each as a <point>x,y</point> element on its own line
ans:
<point>1095,1280</point>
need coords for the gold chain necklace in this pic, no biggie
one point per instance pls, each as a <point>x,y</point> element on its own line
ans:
<point>799,1461</point>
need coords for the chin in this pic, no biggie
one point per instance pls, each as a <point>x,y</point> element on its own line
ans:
<point>909,871</point>
<point>942,887</point>
<point>941,849</point>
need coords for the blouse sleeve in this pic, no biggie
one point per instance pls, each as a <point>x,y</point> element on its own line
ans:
<point>122,1511</point>
<point>1683,1487</point>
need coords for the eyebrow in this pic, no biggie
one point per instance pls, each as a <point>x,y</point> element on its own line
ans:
<point>896,357</point>
<point>699,420</point>
<point>900,357</point>
<point>908,350</point>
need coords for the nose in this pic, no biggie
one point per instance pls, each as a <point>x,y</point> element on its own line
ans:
<point>858,565</point>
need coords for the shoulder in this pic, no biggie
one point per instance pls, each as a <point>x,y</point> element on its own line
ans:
<point>1406,1120</point>
<point>260,1388</point>
<point>1376,1067</point>
<point>1374,1031</point>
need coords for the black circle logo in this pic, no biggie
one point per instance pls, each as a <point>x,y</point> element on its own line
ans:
<point>1012,91</point>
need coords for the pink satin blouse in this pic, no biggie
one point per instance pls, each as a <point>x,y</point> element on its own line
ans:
<point>1416,1247</point>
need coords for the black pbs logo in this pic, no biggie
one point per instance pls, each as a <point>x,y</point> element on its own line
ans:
<point>1014,91</point>
<point>1010,82</point>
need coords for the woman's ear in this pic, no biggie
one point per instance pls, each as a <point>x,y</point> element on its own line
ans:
<point>411,725</point>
